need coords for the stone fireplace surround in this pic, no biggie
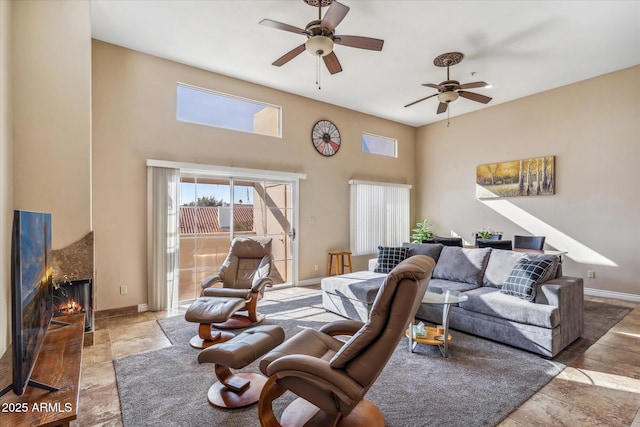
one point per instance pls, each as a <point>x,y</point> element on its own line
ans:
<point>74,263</point>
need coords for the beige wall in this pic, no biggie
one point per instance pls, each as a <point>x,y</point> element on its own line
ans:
<point>45,125</point>
<point>593,129</point>
<point>6,175</point>
<point>134,118</point>
<point>52,113</point>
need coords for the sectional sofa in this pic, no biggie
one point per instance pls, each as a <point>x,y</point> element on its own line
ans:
<point>520,299</point>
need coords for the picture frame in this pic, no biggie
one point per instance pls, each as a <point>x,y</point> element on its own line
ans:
<point>534,176</point>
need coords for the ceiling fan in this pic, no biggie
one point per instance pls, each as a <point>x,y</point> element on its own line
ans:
<point>321,36</point>
<point>449,90</point>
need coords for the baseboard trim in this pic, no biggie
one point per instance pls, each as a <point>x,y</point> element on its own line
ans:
<point>122,311</point>
<point>309,282</point>
<point>611,294</point>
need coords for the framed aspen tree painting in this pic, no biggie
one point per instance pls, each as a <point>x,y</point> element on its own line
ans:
<point>526,177</point>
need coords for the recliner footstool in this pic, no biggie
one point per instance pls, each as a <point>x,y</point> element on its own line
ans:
<point>240,390</point>
<point>210,310</point>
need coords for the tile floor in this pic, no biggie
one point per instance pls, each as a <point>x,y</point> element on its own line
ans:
<point>601,388</point>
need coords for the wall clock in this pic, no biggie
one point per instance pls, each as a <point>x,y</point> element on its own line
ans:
<point>326,138</point>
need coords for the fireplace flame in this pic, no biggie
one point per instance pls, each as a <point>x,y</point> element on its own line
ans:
<point>70,307</point>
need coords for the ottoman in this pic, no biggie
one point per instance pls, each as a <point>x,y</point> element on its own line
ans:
<point>208,310</point>
<point>239,390</point>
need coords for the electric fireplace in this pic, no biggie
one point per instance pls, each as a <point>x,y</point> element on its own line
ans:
<point>73,297</point>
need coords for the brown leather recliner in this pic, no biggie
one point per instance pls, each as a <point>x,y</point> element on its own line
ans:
<point>331,376</point>
<point>244,274</point>
<point>238,286</point>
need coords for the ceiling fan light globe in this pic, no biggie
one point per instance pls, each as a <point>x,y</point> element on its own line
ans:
<point>447,97</point>
<point>319,45</point>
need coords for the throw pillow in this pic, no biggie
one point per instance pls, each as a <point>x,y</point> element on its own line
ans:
<point>429,249</point>
<point>465,265</point>
<point>389,257</point>
<point>524,277</point>
<point>502,262</point>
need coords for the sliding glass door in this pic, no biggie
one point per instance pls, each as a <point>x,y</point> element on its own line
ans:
<point>214,210</point>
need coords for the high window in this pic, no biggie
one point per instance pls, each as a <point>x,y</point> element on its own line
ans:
<point>206,107</point>
<point>379,215</point>
<point>381,145</point>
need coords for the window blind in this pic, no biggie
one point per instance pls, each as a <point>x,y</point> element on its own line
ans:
<point>379,215</point>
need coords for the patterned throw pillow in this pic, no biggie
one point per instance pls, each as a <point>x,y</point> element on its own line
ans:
<point>524,277</point>
<point>388,258</point>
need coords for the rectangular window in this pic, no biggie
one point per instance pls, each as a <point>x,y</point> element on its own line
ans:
<point>379,145</point>
<point>379,215</point>
<point>206,107</point>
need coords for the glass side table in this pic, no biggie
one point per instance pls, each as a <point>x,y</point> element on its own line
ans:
<point>446,299</point>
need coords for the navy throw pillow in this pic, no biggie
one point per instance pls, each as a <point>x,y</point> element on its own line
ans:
<point>389,257</point>
<point>524,277</point>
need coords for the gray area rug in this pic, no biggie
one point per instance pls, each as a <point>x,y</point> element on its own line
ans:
<point>478,385</point>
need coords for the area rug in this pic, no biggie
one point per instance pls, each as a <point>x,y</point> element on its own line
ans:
<point>479,384</point>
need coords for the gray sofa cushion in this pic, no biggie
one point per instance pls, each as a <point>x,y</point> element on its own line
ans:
<point>441,286</point>
<point>429,249</point>
<point>492,302</point>
<point>462,264</point>
<point>524,277</point>
<point>501,264</point>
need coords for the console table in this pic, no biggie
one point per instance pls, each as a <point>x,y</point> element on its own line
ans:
<point>58,365</point>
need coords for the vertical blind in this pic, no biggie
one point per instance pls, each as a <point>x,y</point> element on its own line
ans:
<point>379,215</point>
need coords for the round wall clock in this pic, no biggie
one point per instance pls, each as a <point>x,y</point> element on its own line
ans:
<point>326,138</point>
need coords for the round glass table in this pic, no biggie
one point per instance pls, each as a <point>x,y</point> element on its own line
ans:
<point>446,299</point>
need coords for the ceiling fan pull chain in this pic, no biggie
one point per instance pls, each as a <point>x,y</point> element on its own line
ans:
<point>318,72</point>
<point>448,116</point>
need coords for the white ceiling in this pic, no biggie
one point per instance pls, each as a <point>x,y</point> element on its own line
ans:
<point>521,47</point>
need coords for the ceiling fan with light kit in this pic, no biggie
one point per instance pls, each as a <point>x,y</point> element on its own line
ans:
<point>449,90</point>
<point>321,36</point>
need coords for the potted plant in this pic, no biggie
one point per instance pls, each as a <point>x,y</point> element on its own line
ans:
<point>487,233</point>
<point>422,234</point>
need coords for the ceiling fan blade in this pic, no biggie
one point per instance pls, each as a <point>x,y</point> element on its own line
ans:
<point>434,86</point>
<point>289,56</point>
<point>442,107</point>
<point>335,14</point>
<point>473,85</point>
<point>420,100</point>
<point>474,96</point>
<point>280,26</point>
<point>359,42</point>
<point>332,63</point>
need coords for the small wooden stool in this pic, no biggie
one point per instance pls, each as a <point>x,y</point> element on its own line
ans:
<point>343,259</point>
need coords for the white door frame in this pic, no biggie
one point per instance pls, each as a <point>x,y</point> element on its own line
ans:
<point>255,174</point>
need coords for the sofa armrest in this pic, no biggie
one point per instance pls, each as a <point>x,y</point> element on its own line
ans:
<point>566,293</point>
<point>558,292</point>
